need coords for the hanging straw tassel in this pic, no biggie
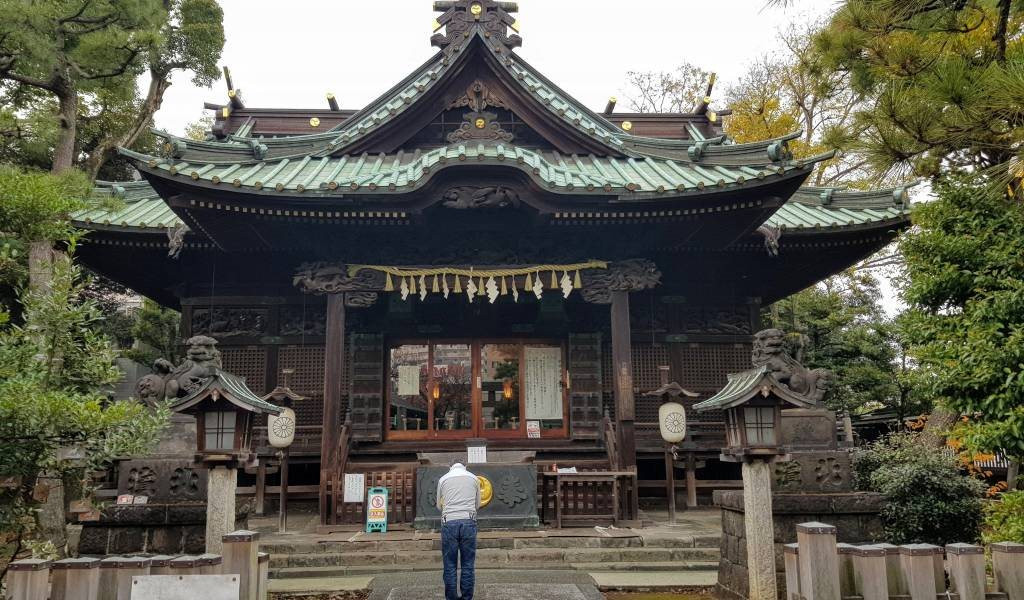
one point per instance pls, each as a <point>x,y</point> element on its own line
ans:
<point>458,286</point>
<point>389,286</point>
<point>434,287</point>
<point>412,285</point>
<point>423,284</point>
<point>529,282</point>
<point>504,288</point>
<point>576,282</point>
<point>554,281</point>
<point>480,287</point>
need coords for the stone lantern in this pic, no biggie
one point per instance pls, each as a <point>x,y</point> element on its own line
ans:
<point>225,409</point>
<point>752,402</point>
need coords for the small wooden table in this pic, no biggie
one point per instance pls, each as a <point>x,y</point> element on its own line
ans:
<point>611,477</point>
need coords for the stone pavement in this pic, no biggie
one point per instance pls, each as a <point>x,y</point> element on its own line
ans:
<point>494,585</point>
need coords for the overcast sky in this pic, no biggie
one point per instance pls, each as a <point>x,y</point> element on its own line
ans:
<point>288,54</point>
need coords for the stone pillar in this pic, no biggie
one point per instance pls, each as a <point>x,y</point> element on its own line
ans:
<point>847,584</point>
<point>75,579</point>
<point>221,484</point>
<point>28,579</point>
<point>819,561</point>
<point>869,573</point>
<point>241,558</point>
<point>1008,568</point>
<point>897,584</point>
<point>126,569</point>
<point>209,564</point>
<point>791,558</point>
<point>757,508</point>
<point>918,565</point>
<point>263,575</point>
<point>967,570</point>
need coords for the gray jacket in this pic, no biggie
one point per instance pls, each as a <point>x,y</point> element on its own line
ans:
<point>458,494</point>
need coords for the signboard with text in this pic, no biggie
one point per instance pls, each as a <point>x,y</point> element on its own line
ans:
<point>377,510</point>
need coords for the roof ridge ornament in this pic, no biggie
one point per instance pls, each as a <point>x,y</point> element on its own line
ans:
<point>461,18</point>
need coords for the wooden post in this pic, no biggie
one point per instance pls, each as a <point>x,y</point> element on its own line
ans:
<point>897,584</point>
<point>791,557</point>
<point>261,488</point>
<point>75,579</point>
<point>691,481</point>
<point>108,579</point>
<point>240,557</point>
<point>282,502</point>
<point>622,375</point>
<point>263,572</point>
<point>819,561</point>
<point>128,567</point>
<point>869,573</point>
<point>334,367</point>
<point>938,556</point>
<point>670,483</point>
<point>967,570</point>
<point>847,582</point>
<point>160,564</point>
<point>1008,568</point>
<point>918,565</point>
<point>184,565</point>
<point>28,579</point>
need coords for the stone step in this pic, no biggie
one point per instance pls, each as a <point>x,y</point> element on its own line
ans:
<point>497,556</point>
<point>509,543</point>
<point>359,571</point>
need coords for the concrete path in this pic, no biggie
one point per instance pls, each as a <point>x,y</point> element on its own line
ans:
<point>491,585</point>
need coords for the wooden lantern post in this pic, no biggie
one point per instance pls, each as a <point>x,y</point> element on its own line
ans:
<point>753,402</point>
<point>672,424</point>
<point>281,434</point>
<point>224,408</point>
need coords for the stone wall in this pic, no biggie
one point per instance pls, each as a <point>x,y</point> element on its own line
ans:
<point>855,515</point>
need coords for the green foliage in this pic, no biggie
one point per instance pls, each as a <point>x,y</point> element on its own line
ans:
<point>1004,518</point>
<point>945,81</point>
<point>36,204</point>
<point>156,331</point>
<point>54,415</point>
<point>928,499</point>
<point>965,290</point>
<point>840,325</point>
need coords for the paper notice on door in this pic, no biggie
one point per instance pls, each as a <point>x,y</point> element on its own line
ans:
<point>533,429</point>
<point>354,485</point>
<point>543,383</point>
<point>408,380</point>
<point>477,455</point>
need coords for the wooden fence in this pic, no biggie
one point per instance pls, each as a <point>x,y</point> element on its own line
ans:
<point>817,568</point>
<point>111,578</point>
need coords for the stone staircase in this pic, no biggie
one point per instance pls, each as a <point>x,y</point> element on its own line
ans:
<point>587,553</point>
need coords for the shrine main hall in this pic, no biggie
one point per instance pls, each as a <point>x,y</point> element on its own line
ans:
<point>476,257</point>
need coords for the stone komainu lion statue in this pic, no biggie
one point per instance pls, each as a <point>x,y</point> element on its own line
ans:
<point>168,381</point>
<point>769,350</point>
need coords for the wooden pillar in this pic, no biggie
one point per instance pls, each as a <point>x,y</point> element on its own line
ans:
<point>282,503</point>
<point>691,481</point>
<point>334,367</point>
<point>967,570</point>
<point>918,564</point>
<point>625,409</point>
<point>1008,568</point>
<point>670,482</point>
<point>847,579</point>
<point>869,570</point>
<point>75,579</point>
<point>261,488</point>
<point>28,579</point>
<point>241,554</point>
<point>791,561</point>
<point>819,561</point>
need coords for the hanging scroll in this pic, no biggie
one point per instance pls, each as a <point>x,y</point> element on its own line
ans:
<point>543,383</point>
<point>408,380</point>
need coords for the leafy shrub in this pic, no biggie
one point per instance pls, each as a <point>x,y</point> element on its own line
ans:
<point>1004,518</point>
<point>928,498</point>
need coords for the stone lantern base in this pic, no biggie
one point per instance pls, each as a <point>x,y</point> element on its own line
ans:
<point>855,515</point>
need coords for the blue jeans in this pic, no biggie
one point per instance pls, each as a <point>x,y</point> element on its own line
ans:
<point>459,538</point>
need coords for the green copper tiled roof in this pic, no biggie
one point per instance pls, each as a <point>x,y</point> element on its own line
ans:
<point>144,210</point>
<point>738,386</point>
<point>232,387</point>
<point>330,176</point>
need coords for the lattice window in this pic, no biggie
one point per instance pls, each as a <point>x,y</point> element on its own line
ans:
<point>704,370</point>
<point>249,363</point>
<point>307,380</point>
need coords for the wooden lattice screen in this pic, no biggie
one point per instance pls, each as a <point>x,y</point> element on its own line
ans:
<point>247,362</point>
<point>585,402</point>
<point>307,380</point>
<point>401,496</point>
<point>366,398</point>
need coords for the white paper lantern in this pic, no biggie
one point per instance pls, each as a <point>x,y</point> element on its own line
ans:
<point>672,419</point>
<point>281,428</point>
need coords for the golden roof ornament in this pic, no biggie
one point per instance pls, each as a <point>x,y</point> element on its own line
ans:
<point>460,18</point>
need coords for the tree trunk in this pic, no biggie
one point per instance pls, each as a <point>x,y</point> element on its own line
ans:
<point>40,265</point>
<point>105,150</point>
<point>939,423</point>
<point>64,151</point>
<point>1013,475</point>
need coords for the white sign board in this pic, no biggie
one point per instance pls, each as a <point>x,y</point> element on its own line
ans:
<point>185,587</point>
<point>533,429</point>
<point>476,454</point>
<point>408,380</point>
<point>543,383</point>
<point>354,483</point>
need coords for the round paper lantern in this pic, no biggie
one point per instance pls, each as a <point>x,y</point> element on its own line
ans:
<point>672,419</point>
<point>281,428</point>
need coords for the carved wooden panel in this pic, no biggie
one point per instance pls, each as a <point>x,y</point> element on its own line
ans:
<point>228,322</point>
<point>585,401</point>
<point>366,384</point>
<point>307,380</point>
